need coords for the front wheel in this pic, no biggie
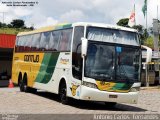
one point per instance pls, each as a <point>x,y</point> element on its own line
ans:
<point>63,94</point>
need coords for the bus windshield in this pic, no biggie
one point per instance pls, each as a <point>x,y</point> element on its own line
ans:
<point>112,62</point>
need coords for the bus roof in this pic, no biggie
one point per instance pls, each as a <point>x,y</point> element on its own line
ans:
<point>45,29</point>
<point>68,25</point>
<point>103,25</point>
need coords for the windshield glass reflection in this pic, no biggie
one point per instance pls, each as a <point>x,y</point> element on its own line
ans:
<point>111,63</point>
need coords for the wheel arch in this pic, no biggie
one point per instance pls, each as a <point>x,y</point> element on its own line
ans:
<point>19,77</point>
<point>62,81</point>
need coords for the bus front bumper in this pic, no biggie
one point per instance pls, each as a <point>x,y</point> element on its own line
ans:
<point>92,94</point>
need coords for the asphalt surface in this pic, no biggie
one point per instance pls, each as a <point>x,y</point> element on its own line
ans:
<point>12,101</point>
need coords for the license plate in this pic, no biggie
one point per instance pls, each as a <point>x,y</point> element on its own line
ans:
<point>113,96</point>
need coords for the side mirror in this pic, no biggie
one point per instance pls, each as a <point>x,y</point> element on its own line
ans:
<point>84,47</point>
<point>149,53</point>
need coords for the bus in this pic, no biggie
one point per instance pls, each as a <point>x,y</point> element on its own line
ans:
<point>84,61</point>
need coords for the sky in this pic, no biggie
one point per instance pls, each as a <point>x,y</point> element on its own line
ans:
<point>50,12</point>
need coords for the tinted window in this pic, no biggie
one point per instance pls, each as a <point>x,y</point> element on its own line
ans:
<point>24,43</point>
<point>128,64</point>
<point>113,36</point>
<point>65,39</point>
<point>28,42</point>
<point>51,42</point>
<point>112,63</point>
<point>45,37</point>
<point>17,41</point>
<point>16,45</point>
<point>35,42</point>
<point>21,43</point>
<point>76,55</point>
<point>100,61</point>
<point>55,40</point>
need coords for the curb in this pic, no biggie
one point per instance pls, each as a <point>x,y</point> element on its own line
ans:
<point>150,88</point>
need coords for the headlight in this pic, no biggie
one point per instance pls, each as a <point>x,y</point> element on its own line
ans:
<point>88,84</point>
<point>135,89</point>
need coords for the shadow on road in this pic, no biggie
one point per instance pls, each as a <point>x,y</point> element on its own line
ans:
<point>88,105</point>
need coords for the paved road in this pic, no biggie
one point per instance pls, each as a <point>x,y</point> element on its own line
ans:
<point>4,83</point>
<point>13,101</point>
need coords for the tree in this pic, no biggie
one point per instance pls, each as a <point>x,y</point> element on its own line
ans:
<point>17,23</point>
<point>9,26</point>
<point>139,28</point>
<point>0,24</point>
<point>149,42</point>
<point>4,25</point>
<point>142,32</point>
<point>123,22</point>
<point>31,28</point>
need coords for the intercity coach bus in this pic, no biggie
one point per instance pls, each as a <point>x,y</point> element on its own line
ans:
<point>85,61</point>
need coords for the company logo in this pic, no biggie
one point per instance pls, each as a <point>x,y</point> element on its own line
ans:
<point>107,84</point>
<point>73,89</point>
<point>64,61</point>
<point>31,58</point>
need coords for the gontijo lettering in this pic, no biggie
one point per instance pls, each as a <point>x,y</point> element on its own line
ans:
<point>31,58</point>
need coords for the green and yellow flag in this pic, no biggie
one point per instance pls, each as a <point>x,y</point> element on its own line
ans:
<point>144,8</point>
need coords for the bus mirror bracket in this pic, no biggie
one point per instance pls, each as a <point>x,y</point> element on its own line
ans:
<point>84,47</point>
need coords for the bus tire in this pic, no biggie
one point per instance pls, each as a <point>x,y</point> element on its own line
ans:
<point>110,104</point>
<point>24,84</point>
<point>32,90</point>
<point>63,93</point>
<point>20,82</point>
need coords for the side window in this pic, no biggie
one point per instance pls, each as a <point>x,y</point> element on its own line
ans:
<point>18,44</point>
<point>45,37</point>
<point>56,37</point>
<point>76,52</point>
<point>69,34</point>
<point>35,42</point>
<point>65,40</point>
<point>51,42</point>
<point>21,43</point>
<point>28,43</point>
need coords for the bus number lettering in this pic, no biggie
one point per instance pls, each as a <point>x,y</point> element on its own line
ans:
<point>31,58</point>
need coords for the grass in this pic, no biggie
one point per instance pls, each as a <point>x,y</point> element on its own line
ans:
<point>13,31</point>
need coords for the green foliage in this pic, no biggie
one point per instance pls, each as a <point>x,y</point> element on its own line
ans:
<point>3,25</point>
<point>17,23</point>
<point>32,28</point>
<point>139,28</point>
<point>13,31</point>
<point>149,42</point>
<point>10,26</point>
<point>123,22</point>
<point>143,33</point>
<point>14,27</point>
